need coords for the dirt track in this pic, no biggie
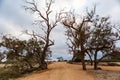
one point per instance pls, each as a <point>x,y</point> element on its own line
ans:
<point>60,71</point>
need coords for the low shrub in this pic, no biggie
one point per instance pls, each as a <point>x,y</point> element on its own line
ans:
<point>70,61</point>
<point>113,64</point>
<point>10,72</point>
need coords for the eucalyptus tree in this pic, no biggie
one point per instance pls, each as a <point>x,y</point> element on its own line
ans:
<point>103,38</point>
<point>46,23</point>
<point>78,31</point>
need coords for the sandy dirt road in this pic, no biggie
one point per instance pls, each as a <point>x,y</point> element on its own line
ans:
<point>60,71</point>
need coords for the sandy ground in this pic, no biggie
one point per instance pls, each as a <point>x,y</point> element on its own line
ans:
<point>60,71</point>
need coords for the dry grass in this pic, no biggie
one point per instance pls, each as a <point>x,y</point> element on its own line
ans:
<point>105,74</point>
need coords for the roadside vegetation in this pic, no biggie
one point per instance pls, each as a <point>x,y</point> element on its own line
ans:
<point>22,56</point>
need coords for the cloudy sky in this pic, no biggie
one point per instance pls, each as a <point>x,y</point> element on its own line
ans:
<point>14,19</point>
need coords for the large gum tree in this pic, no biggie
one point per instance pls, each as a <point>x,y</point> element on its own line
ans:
<point>46,22</point>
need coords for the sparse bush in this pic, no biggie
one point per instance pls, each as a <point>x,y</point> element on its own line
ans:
<point>70,61</point>
<point>99,68</point>
<point>113,64</point>
<point>110,60</point>
<point>65,60</point>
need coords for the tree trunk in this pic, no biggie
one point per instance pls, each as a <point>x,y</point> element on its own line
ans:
<point>95,65</point>
<point>83,61</point>
<point>83,64</point>
<point>95,61</point>
<point>44,65</point>
<point>73,58</point>
<point>91,62</point>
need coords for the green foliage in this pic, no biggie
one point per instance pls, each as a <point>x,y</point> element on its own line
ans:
<point>102,33</point>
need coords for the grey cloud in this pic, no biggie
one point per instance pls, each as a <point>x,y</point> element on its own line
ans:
<point>13,10</point>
